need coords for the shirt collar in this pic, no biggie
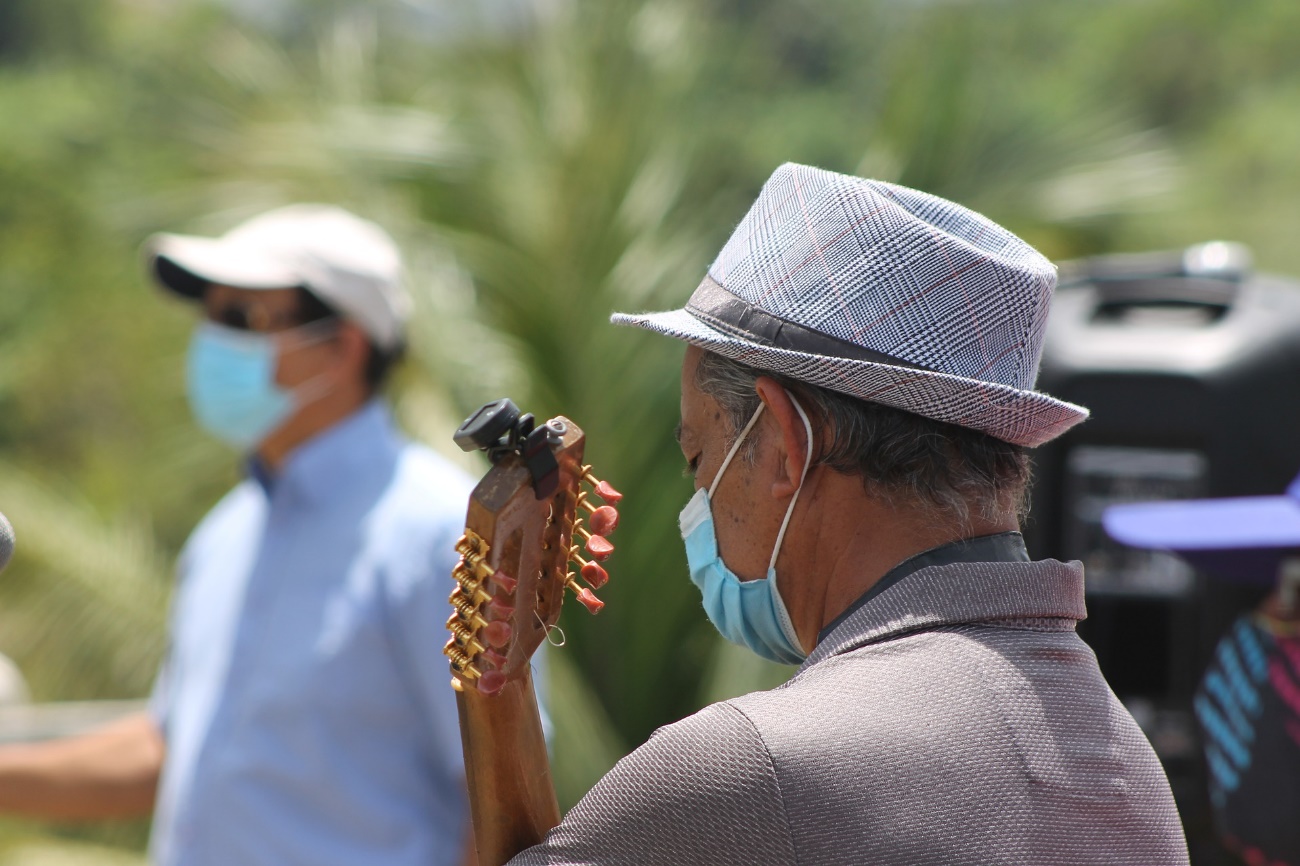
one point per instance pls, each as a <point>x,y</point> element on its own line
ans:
<point>973,580</point>
<point>1002,547</point>
<point>359,445</point>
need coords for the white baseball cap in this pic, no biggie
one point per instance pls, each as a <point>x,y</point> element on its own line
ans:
<point>349,263</point>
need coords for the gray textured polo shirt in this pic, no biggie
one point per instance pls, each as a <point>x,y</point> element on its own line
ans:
<point>953,718</point>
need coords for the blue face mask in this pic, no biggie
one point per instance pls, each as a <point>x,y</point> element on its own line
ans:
<point>231,384</point>
<point>746,612</point>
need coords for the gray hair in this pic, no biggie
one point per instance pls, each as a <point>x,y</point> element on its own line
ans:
<point>902,457</point>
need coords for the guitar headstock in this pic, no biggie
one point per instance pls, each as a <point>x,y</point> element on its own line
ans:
<point>528,519</point>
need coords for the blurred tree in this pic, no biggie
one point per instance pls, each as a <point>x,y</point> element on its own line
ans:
<point>570,158</point>
<point>34,29</point>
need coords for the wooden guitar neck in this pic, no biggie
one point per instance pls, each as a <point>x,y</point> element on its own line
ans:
<point>512,798</point>
<point>528,519</point>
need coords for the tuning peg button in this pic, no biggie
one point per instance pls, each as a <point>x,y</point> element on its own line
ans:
<point>497,633</point>
<point>606,491</point>
<point>603,520</point>
<point>589,600</point>
<point>594,574</point>
<point>505,581</point>
<point>599,547</point>
<point>491,682</point>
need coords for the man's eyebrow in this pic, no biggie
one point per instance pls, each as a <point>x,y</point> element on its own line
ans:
<point>677,432</point>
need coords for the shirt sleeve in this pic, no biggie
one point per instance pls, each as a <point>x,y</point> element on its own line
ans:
<point>161,695</point>
<point>702,791</point>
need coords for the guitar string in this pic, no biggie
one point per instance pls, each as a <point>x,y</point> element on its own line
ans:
<point>549,629</point>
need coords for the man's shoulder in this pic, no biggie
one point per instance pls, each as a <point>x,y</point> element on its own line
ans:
<point>975,733</point>
<point>718,749</point>
<point>701,790</point>
<point>915,692</point>
<point>245,503</point>
<point>238,515</point>
<point>413,527</point>
<point>1030,703</point>
<point>426,485</point>
<point>714,725</point>
<point>419,463</point>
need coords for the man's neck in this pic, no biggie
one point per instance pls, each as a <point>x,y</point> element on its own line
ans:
<point>308,422</point>
<point>851,540</point>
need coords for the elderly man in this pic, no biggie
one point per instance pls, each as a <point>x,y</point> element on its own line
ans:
<point>857,406</point>
<point>302,716</point>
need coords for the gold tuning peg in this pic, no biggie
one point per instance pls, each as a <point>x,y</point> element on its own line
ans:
<point>467,612</point>
<point>462,668</point>
<point>597,545</point>
<point>585,595</point>
<point>464,636</point>
<point>603,489</point>
<point>604,518</point>
<point>591,572</point>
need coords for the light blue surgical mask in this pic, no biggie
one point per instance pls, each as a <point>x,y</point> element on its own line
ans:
<point>746,612</point>
<point>231,384</point>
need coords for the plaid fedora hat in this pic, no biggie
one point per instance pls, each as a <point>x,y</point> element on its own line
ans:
<point>885,294</point>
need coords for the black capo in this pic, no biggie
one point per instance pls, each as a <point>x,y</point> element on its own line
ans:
<point>499,428</point>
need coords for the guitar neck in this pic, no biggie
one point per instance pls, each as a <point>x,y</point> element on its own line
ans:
<point>524,525</point>
<point>511,796</point>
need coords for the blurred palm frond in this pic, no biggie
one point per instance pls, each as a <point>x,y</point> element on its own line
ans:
<point>86,616</point>
<point>584,740</point>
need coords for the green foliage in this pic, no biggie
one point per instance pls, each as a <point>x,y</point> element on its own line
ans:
<point>579,207</point>
<point>45,852</point>
<point>589,156</point>
<point>584,742</point>
<point>87,598</point>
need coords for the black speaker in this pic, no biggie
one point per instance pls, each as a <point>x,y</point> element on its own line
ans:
<point>1190,363</point>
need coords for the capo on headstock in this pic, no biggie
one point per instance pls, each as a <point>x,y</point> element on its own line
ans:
<point>500,429</point>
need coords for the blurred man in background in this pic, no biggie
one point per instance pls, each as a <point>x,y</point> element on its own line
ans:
<point>303,714</point>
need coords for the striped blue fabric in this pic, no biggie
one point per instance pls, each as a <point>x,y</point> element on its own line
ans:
<point>1248,707</point>
<point>1228,705</point>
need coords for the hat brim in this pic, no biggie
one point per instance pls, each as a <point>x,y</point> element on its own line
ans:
<point>187,265</point>
<point>1013,415</point>
<point>1241,539</point>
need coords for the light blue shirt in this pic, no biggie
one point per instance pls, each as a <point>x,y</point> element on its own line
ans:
<point>305,701</point>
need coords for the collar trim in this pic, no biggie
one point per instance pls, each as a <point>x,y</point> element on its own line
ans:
<point>959,593</point>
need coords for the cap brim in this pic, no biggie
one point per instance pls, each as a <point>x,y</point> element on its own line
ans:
<point>1013,415</point>
<point>187,265</point>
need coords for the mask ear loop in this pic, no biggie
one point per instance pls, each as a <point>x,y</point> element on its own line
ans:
<point>807,462</point>
<point>736,447</point>
<point>302,336</point>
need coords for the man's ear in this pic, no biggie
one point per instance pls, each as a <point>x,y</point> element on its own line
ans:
<point>794,442</point>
